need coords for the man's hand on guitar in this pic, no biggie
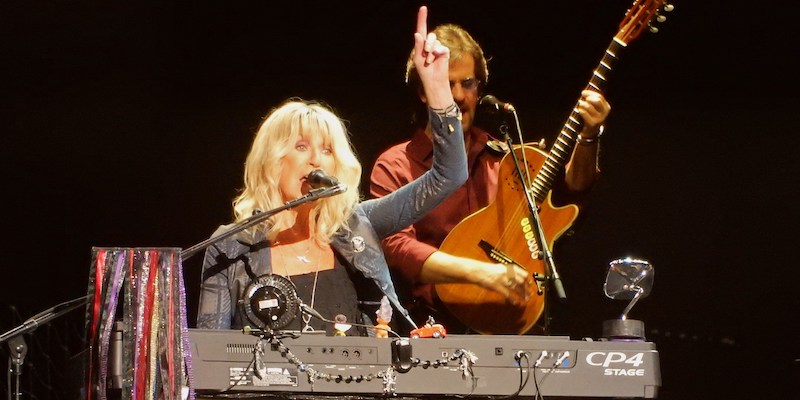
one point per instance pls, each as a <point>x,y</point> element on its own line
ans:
<point>510,280</point>
<point>594,109</point>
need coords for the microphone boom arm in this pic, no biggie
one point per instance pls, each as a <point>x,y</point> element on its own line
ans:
<point>44,317</point>
<point>314,194</point>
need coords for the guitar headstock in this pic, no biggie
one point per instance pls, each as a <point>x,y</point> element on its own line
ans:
<point>642,14</point>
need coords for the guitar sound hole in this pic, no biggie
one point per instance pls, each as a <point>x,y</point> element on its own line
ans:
<point>513,182</point>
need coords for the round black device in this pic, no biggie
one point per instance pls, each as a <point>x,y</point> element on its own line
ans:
<point>270,302</point>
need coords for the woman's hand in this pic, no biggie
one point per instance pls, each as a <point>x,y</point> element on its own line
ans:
<point>432,61</point>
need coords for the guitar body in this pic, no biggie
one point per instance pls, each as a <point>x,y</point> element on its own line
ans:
<point>506,225</point>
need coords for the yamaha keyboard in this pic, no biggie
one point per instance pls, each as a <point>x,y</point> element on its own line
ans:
<point>230,362</point>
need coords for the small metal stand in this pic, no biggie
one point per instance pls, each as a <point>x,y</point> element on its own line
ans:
<point>627,279</point>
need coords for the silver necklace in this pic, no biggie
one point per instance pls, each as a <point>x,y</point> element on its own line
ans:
<point>302,258</point>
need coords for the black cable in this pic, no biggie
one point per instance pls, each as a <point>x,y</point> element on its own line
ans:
<point>522,382</point>
<point>538,394</point>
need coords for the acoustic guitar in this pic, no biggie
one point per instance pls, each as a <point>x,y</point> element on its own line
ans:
<point>503,230</point>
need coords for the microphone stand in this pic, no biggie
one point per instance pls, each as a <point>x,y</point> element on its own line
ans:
<point>17,347</point>
<point>255,219</point>
<point>544,253</point>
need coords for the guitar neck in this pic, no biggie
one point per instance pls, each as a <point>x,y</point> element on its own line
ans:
<point>562,148</point>
<point>640,16</point>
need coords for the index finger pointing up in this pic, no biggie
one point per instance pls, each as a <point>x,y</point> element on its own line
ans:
<point>422,21</point>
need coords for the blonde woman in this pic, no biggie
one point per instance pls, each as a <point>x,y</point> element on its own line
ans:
<point>330,248</point>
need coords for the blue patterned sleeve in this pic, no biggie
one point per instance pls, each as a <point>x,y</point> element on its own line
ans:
<point>411,202</point>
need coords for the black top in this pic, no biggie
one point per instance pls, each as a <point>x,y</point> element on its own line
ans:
<point>329,303</point>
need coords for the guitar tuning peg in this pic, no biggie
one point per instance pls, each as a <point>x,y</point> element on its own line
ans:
<point>652,29</point>
<point>660,18</point>
<point>668,7</point>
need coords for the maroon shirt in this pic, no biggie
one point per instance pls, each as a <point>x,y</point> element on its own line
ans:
<point>408,249</point>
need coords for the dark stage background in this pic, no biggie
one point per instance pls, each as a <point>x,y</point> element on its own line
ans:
<point>127,124</point>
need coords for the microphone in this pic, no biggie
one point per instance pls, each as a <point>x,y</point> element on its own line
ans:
<point>494,104</point>
<point>319,179</point>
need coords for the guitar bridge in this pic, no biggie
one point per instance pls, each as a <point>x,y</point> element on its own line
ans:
<point>495,254</point>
